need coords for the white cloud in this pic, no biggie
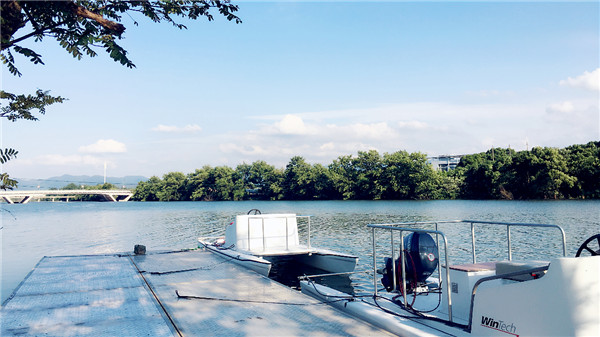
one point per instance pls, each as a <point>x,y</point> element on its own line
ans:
<point>104,146</point>
<point>61,160</point>
<point>327,147</point>
<point>252,150</point>
<point>433,128</point>
<point>177,129</point>
<point>359,131</point>
<point>271,142</point>
<point>587,80</point>
<point>373,131</point>
<point>292,125</point>
<point>562,107</point>
<point>412,125</point>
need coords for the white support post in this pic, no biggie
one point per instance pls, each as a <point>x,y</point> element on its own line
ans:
<point>127,197</point>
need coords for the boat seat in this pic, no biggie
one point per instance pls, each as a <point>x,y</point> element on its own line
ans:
<point>474,267</point>
<point>505,267</point>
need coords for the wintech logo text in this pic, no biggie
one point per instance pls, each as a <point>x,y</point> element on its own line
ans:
<point>499,325</point>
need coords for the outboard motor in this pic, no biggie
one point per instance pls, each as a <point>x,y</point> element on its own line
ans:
<point>420,261</point>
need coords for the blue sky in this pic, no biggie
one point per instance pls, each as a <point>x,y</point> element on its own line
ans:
<point>319,80</point>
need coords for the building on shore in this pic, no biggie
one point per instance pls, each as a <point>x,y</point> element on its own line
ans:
<point>445,162</point>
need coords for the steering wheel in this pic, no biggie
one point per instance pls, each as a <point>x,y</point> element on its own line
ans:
<point>589,246</point>
<point>256,211</point>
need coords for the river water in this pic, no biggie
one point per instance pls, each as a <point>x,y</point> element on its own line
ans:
<point>38,229</point>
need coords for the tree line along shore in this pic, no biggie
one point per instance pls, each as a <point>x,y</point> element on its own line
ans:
<point>540,173</point>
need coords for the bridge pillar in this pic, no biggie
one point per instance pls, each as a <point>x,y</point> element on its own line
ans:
<point>8,200</point>
<point>109,197</point>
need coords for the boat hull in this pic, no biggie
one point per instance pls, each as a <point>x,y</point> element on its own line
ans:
<point>331,262</point>
<point>564,302</point>
<point>370,313</point>
<point>258,264</point>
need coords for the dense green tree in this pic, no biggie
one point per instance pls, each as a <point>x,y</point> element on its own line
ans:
<point>261,180</point>
<point>298,180</point>
<point>343,176</point>
<point>583,162</point>
<point>303,181</point>
<point>542,173</point>
<point>475,168</point>
<point>147,190</point>
<point>357,177</point>
<point>486,175</point>
<point>449,184</point>
<point>539,174</point>
<point>368,169</point>
<point>196,184</point>
<point>501,178</point>
<point>521,175</point>
<point>323,184</point>
<point>172,187</point>
<point>218,183</point>
<point>551,179</point>
<point>408,176</point>
<point>226,184</point>
<point>72,186</point>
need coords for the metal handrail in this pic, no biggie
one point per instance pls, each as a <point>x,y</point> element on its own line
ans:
<point>508,226</point>
<point>474,222</point>
<point>392,228</point>
<point>399,227</point>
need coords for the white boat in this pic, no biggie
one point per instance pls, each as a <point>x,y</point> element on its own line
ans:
<point>540,297</point>
<point>258,241</point>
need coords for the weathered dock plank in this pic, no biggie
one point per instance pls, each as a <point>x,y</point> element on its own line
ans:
<point>185,293</point>
<point>83,296</point>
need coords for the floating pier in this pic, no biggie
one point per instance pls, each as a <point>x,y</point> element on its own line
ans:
<point>182,293</point>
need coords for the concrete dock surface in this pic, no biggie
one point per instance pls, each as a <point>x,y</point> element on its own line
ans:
<point>181,293</point>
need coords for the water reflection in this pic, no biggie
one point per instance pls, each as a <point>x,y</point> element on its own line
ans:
<point>288,271</point>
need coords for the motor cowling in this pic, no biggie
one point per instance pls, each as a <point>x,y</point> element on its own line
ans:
<point>422,252</point>
<point>420,261</point>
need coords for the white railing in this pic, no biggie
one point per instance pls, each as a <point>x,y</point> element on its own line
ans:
<point>287,236</point>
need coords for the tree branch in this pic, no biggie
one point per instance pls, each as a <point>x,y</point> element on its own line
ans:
<point>12,20</point>
<point>24,37</point>
<point>115,27</point>
<point>77,10</point>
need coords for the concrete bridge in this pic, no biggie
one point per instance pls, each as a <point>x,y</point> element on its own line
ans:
<point>23,197</point>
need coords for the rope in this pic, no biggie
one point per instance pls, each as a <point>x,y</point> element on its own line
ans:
<point>252,301</point>
<point>209,267</point>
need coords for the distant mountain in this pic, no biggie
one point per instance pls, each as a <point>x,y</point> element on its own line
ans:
<point>64,180</point>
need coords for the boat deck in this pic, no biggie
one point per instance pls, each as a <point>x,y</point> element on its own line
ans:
<point>165,294</point>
